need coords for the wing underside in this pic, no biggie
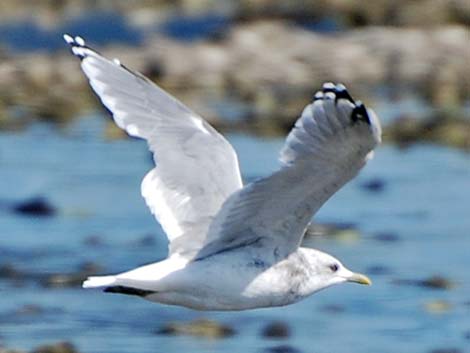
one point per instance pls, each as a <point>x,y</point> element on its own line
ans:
<point>329,144</point>
<point>196,168</point>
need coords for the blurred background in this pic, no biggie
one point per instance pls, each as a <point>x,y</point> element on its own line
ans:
<point>70,204</point>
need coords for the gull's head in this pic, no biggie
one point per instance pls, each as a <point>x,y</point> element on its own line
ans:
<point>326,271</point>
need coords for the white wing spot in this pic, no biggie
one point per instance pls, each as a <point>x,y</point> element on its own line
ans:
<point>80,41</point>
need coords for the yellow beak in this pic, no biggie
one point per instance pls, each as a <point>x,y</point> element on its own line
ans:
<point>359,278</point>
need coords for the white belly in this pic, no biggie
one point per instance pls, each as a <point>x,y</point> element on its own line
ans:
<point>231,281</point>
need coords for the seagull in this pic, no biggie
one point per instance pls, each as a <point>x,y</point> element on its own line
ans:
<point>232,246</point>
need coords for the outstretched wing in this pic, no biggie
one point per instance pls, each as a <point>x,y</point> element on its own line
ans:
<point>197,169</point>
<point>328,146</point>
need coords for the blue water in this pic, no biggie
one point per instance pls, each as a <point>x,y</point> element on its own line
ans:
<point>94,184</point>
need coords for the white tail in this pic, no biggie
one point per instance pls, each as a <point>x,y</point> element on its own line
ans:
<point>100,281</point>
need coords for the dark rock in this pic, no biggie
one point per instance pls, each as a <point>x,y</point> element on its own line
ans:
<point>342,231</point>
<point>276,329</point>
<point>93,241</point>
<point>284,348</point>
<point>446,350</point>
<point>374,185</point>
<point>29,310</point>
<point>437,282</point>
<point>60,347</point>
<point>387,237</point>
<point>378,270</point>
<point>201,328</point>
<point>434,282</point>
<point>74,279</point>
<point>147,241</point>
<point>38,206</point>
<point>8,271</point>
<point>437,306</point>
<point>334,308</point>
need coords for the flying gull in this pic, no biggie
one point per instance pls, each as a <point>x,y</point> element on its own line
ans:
<point>232,246</point>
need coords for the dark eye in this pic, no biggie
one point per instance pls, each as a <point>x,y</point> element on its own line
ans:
<point>334,267</point>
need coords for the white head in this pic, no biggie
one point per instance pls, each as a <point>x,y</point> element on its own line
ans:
<point>325,270</point>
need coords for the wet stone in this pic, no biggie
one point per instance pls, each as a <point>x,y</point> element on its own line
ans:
<point>200,328</point>
<point>437,306</point>
<point>378,270</point>
<point>387,237</point>
<point>284,348</point>
<point>29,310</point>
<point>147,241</point>
<point>334,308</point>
<point>446,350</point>
<point>74,279</point>
<point>276,329</point>
<point>437,282</point>
<point>434,282</point>
<point>8,271</point>
<point>93,241</point>
<point>60,347</point>
<point>38,206</point>
<point>374,185</point>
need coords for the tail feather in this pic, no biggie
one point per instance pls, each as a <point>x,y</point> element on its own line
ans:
<point>99,281</point>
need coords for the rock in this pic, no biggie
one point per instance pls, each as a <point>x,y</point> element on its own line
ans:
<point>446,350</point>
<point>387,237</point>
<point>374,185</point>
<point>74,279</point>
<point>201,328</point>
<point>284,348</point>
<point>378,270</point>
<point>449,128</point>
<point>276,329</point>
<point>93,241</point>
<point>437,282</point>
<point>29,310</point>
<point>38,206</point>
<point>8,271</point>
<point>343,232</point>
<point>60,347</point>
<point>433,282</point>
<point>11,350</point>
<point>147,241</point>
<point>437,306</point>
<point>334,308</point>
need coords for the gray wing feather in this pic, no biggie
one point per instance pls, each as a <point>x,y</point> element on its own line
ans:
<point>329,144</point>
<point>197,169</point>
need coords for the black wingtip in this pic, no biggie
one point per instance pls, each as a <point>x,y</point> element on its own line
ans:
<point>359,113</point>
<point>128,291</point>
<point>339,90</point>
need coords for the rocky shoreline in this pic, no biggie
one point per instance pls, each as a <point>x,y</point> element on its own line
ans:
<point>259,75</point>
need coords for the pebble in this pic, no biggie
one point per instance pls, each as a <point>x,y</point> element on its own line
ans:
<point>38,206</point>
<point>74,279</point>
<point>284,348</point>
<point>387,237</point>
<point>374,185</point>
<point>93,241</point>
<point>276,329</point>
<point>437,306</point>
<point>433,282</point>
<point>200,328</point>
<point>378,270</point>
<point>59,347</point>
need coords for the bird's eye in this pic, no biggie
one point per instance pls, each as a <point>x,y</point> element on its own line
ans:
<point>334,267</point>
